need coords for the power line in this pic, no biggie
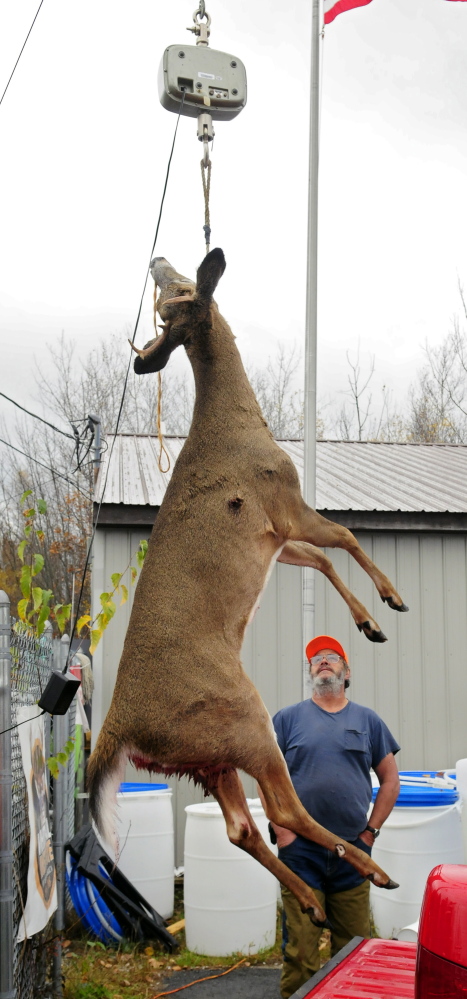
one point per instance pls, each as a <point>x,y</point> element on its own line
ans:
<point>5,730</point>
<point>48,467</point>
<point>21,52</point>
<point>88,556</point>
<point>36,417</point>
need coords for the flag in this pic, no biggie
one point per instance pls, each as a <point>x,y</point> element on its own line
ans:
<point>334,7</point>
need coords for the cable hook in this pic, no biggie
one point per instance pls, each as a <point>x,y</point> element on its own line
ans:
<point>201,29</point>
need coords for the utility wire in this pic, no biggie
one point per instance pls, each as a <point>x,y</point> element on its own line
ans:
<point>36,417</point>
<point>48,467</point>
<point>21,52</point>
<point>5,730</point>
<point>88,556</point>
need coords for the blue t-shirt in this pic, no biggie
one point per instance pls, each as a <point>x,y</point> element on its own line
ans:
<point>329,756</point>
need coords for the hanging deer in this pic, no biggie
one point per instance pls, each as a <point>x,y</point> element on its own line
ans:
<point>182,703</point>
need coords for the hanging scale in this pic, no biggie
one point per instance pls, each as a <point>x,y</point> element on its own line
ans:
<point>203,83</point>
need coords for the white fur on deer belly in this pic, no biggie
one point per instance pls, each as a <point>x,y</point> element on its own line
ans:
<point>266,581</point>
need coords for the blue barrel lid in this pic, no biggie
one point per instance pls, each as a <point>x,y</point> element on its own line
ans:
<point>132,787</point>
<point>424,796</point>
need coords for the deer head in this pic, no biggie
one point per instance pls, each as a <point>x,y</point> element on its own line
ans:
<point>182,305</point>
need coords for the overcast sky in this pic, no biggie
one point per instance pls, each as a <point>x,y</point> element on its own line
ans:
<point>85,146</point>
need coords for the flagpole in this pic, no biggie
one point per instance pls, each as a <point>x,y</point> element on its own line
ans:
<point>309,454</point>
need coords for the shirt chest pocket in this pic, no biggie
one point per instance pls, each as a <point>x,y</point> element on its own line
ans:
<point>356,741</point>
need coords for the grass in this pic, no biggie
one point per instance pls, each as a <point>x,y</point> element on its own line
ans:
<point>136,971</point>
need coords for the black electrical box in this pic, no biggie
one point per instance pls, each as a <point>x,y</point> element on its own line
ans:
<point>59,693</point>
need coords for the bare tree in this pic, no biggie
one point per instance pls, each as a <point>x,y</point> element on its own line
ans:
<point>438,402</point>
<point>359,418</point>
<point>281,402</point>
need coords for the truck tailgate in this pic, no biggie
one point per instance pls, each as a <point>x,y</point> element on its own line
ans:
<point>365,969</point>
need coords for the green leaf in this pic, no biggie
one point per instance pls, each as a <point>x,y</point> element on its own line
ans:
<point>134,573</point>
<point>141,553</point>
<point>27,530</point>
<point>42,506</point>
<point>62,758</point>
<point>84,619</point>
<point>110,609</point>
<point>27,492</point>
<point>96,635</point>
<point>25,580</point>
<point>46,595</point>
<point>43,617</point>
<point>116,577</point>
<point>22,605</point>
<point>104,598</point>
<point>20,549</point>
<point>37,592</point>
<point>37,564</point>
<point>29,513</point>
<point>124,592</point>
<point>69,746</point>
<point>53,766</point>
<point>62,613</point>
<point>40,534</point>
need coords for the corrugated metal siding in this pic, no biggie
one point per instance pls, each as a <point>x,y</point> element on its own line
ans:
<point>417,681</point>
<point>349,475</point>
<point>272,651</point>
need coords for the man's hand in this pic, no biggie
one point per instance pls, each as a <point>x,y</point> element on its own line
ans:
<point>367,837</point>
<point>284,836</point>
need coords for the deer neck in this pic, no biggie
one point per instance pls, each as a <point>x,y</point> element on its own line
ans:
<point>223,392</point>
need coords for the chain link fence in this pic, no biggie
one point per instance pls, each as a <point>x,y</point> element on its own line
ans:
<point>25,666</point>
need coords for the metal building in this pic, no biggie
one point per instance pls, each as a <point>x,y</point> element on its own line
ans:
<point>407,505</point>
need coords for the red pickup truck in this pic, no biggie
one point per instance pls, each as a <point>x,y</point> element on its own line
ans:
<point>434,967</point>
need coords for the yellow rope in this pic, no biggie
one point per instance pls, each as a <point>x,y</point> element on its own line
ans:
<point>162,447</point>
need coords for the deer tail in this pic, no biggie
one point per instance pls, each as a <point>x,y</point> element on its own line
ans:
<point>105,773</point>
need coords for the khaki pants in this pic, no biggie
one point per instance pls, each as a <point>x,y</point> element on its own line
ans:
<point>349,913</point>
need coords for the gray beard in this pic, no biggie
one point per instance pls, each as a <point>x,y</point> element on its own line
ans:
<point>330,684</point>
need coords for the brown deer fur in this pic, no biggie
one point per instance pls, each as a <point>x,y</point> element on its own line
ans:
<point>182,702</point>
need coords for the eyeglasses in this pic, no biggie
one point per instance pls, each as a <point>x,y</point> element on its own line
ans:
<point>331,658</point>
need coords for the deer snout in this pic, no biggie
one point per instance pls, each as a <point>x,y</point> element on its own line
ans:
<point>164,274</point>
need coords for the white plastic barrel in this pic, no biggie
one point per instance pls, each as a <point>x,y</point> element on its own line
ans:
<point>230,899</point>
<point>146,834</point>
<point>424,829</point>
<point>461,773</point>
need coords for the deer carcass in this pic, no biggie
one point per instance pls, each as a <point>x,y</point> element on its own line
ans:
<point>182,703</point>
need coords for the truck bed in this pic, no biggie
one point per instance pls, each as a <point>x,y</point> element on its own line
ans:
<point>365,969</point>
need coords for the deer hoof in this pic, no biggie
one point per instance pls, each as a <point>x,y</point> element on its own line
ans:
<point>391,603</point>
<point>390,884</point>
<point>374,634</point>
<point>322,923</point>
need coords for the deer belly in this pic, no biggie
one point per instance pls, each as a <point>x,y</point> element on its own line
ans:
<point>266,581</point>
<point>206,774</point>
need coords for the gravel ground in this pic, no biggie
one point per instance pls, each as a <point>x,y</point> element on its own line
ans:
<point>243,983</point>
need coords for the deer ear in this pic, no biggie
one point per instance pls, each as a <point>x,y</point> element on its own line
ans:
<point>209,274</point>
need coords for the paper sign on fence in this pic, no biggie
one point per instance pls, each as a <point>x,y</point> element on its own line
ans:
<point>41,899</point>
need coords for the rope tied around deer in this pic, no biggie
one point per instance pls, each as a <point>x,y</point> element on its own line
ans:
<point>162,447</point>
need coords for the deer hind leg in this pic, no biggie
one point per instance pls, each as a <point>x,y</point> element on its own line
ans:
<point>312,527</point>
<point>284,809</point>
<point>243,832</point>
<point>302,553</point>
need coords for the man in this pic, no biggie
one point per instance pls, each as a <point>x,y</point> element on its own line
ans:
<point>330,744</point>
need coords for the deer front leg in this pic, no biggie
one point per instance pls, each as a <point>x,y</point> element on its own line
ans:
<point>302,553</point>
<point>283,807</point>
<point>243,832</point>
